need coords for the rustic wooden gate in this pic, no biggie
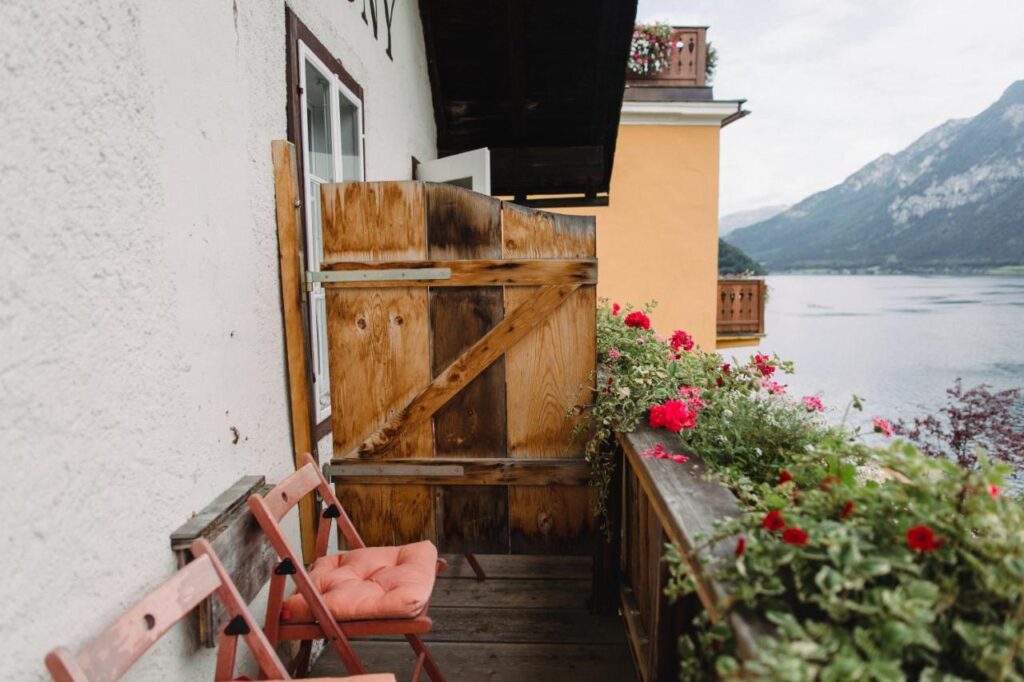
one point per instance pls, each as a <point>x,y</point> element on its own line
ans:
<point>461,335</point>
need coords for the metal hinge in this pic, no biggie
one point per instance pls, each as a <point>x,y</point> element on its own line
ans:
<point>408,274</point>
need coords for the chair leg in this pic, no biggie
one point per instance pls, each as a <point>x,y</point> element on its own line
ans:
<point>428,661</point>
<point>418,670</point>
<point>347,655</point>
<point>301,664</point>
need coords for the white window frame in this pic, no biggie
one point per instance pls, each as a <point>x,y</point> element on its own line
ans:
<point>314,251</point>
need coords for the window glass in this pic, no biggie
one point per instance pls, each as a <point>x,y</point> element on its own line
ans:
<point>318,124</point>
<point>351,164</point>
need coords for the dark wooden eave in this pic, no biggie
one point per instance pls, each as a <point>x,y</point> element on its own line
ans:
<point>538,82</point>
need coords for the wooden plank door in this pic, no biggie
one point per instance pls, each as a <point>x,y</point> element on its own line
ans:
<point>450,393</point>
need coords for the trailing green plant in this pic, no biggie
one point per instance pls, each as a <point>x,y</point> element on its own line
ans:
<point>735,415</point>
<point>710,64</point>
<point>920,576</point>
<point>872,564</point>
<point>635,370</point>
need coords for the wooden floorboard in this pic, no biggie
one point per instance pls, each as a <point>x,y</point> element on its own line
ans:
<point>506,593</point>
<point>469,662</point>
<point>528,621</point>
<point>528,567</point>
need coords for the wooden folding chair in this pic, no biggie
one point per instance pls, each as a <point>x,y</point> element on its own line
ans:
<point>361,592</point>
<point>109,656</point>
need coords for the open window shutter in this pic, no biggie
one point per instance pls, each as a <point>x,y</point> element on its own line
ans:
<point>471,170</point>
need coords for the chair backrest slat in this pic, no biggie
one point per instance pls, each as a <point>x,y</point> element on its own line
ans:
<point>106,658</point>
<point>288,492</point>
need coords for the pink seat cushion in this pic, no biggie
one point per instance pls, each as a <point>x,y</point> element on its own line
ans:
<point>371,583</point>
<point>379,677</point>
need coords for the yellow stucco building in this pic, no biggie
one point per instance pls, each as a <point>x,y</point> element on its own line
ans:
<point>658,237</point>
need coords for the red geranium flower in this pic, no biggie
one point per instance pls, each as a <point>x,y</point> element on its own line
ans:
<point>922,539</point>
<point>764,365</point>
<point>795,536</point>
<point>725,368</point>
<point>785,477</point>
<point>681,339</point>
<point>638,319</point>
<point>773,521</point>
<point>741,546</point>
<point>615,309</point>
<point>847,510</point>
<point>994,491</point>
<point>674,415</point>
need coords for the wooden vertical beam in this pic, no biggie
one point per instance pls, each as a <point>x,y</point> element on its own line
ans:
<point>548,372</point>
<point>289,240</point>
<point>464,225</point>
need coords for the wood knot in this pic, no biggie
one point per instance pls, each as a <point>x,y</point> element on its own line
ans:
<point>544,523</point>
<point>399,320</point>
<point>361,323</point>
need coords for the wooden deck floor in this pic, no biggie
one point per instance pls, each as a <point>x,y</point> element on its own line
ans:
<point>528,622</point>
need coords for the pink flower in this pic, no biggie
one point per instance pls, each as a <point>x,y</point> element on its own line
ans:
<point>994,491</point>
<point>674,415</point>
<point>614,354</point>
<point>692,396</point>
<point>638,319</point>
<point>659,452</point>
<point>615,309</point>
<point>812,403</point>
<point>681,339</point>
<point>764,365</point>
<point>773,387</point>
<point>882,426</point>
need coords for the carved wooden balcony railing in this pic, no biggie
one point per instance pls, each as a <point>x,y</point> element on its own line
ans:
<point>688,64</point>
<point>741,308</point>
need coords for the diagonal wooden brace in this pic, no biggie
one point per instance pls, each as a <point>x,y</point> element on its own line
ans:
<point>467,367</point>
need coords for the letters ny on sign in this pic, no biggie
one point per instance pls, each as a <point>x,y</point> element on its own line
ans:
<point>371,18</point>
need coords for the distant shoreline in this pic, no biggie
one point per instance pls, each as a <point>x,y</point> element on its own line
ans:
<point>1001,271</point>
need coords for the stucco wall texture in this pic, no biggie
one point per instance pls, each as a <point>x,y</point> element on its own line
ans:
<point>658,237</point>
<point>139,301</point>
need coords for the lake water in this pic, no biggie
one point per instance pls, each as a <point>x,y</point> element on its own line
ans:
<point>896,341</point>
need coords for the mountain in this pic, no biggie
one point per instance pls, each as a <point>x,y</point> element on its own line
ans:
<point>952,200</point>
<point>734,221</point>
<point>732,261</point>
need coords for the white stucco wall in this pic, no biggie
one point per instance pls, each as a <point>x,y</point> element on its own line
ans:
<point>139,303</point>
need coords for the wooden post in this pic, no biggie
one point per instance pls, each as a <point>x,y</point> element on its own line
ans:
<point>289,244</point>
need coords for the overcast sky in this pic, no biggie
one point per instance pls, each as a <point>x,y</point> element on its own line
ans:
<point>833,84</point>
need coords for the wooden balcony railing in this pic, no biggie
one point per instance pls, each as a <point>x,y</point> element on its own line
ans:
<point>666,502</point>
<point>741,307</point>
